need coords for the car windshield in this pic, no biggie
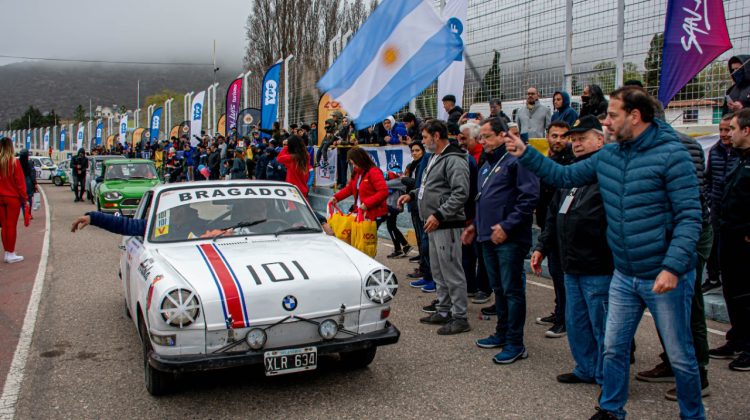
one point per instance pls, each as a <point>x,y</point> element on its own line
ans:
<point>221,212</point>
<point>130,171</point>
<point>47,162</point>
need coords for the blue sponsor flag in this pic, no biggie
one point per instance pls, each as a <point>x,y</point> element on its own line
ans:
<point>62,140</point>
<point>401,48</point>
<point>28,140</point>
<point>155,123</point>
<point>99,131</point>
<point>270,98</point>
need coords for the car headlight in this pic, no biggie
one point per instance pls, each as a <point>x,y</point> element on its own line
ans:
<point>328,329</point>
<point>112,195</point>
<point>180,308</point>
<point>381,285</point>
<point>256,338</point>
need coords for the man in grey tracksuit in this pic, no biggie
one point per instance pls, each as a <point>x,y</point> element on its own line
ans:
<point>441,199</point>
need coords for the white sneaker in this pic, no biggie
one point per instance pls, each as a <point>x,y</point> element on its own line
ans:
<point>11,257</point>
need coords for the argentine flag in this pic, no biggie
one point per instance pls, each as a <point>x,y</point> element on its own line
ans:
<point>401,48</point>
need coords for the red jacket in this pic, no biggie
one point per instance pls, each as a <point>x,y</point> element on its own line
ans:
<point>294,175</point>
<point>373,192</point>
<point>15,184</point>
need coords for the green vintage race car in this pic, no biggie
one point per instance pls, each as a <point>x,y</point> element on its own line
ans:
<point>124,181</point>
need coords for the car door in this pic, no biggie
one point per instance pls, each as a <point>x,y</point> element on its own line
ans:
<point>137,263</point>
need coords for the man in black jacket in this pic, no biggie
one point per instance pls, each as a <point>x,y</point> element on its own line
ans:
<point>79,164</point>
<point>560,151</point>
<point>575,230</point>
<point>739,92</point>
<point>721,160</point>
<point>734,248</point>
<point>454,112</point>
<point>214,162</point>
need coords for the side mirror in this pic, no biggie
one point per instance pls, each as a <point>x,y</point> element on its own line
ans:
<point>99,179</point>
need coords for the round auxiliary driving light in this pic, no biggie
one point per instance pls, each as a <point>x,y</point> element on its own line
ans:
<point>256,338</point>
<point>328,329</point>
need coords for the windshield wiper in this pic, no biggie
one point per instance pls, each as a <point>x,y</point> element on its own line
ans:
<point>237,226</point>
<point>297,229</point>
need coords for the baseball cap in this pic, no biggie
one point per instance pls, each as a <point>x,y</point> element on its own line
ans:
<point>584,124</point>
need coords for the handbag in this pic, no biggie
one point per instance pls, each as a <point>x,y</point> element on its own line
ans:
<point>365,234</point>
<point>340,223</point>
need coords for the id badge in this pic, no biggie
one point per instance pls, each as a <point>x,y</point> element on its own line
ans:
<point>565,206</point>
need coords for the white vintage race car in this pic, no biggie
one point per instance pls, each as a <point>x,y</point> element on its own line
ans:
<point>233,273</point>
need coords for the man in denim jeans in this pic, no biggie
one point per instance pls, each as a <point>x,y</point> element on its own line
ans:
<point>574,226</point>
<point>650,192</point>
<point>507,195</point>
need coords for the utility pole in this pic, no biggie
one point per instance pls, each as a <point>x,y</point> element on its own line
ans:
<point>286,89</point>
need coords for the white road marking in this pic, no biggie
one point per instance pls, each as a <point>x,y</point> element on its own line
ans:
<point>13,381</point>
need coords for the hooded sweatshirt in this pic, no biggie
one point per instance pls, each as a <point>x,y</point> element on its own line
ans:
<point>740,90</point>
<point>565,113</point>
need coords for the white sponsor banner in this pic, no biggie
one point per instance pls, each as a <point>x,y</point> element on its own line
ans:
<point>387,158</point>
<point>451,81</point>
<point>196,117</point>
<point>123,129</point>
<point>325,173</point>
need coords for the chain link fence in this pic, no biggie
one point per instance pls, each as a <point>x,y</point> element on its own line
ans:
<point>515,44</point>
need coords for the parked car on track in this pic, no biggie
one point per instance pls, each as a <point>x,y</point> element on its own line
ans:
<point>123,184</point>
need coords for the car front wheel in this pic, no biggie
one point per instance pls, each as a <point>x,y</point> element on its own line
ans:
<point>57,181</point>
<point>358,359</point>
<point>157,382</point>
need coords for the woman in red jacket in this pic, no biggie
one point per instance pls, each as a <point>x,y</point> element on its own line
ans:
<point>297,162</point>
<point>12,194</point>
<point>367,185</point>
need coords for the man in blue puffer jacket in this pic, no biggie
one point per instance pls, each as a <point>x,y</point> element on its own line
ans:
<point>650,191</point>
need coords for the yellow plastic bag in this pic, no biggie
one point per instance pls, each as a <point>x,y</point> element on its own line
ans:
<point>365,235</point>
<point>340,223</point>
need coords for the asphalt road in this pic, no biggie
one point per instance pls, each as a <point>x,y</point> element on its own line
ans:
<point>85,360</point>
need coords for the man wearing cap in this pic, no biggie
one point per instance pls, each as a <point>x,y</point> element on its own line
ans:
<point>575,229</point>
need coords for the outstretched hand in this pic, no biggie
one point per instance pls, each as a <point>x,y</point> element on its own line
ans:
<point>514,145</point>
<point>80,223</point>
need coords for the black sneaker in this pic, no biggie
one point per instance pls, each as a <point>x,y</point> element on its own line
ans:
<point>741,363</point>
<point>571,378</point>
<point>395,254</point>
<point>709,285</point>
<point>489,310</point>
<point>671,395</point>
<point>723,352</point>
<point>415,259</point>
<point>417,274</point>
<point>556,331</point>
<point>454,326</point>
<point>430,309</point>
<point>436,319</point>
<point>407,249</point>
<point>602,415</point>
<point>547,320</point>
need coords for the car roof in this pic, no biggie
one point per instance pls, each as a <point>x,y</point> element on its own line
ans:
<point>123,161</point>
<point>207,184</point>
<point>105,157</point>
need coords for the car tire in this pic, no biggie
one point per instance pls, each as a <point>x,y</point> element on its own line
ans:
<point>98,206</point>
<point>127,310</point>
<point>358,359</point>
<point>57,181</point>
<point>157,382</point>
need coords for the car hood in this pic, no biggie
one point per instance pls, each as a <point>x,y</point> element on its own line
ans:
<point>250,278</point>
<point>131,186</point>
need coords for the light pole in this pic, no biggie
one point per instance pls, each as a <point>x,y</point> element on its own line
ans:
<point>286,89</point>
<point>245,82</point>
<point>168,114</point>
<point>187,104</point>
<point>137,117</point>
<point>213,107</point>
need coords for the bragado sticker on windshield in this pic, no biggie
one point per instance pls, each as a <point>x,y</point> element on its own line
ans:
<point>171,199</point>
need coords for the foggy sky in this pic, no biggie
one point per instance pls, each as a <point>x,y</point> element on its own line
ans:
<point>129,30</point>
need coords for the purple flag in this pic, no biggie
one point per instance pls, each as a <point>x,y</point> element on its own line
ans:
<point>695,34</point>
<point>233,104</point>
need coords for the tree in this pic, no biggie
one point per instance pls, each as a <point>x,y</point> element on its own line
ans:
<point>491,82</point>
<point>694,89</point>
<point>31,118</point>
<point>79,114</point>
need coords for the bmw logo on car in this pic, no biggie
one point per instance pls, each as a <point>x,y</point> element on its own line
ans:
<point>289,303</point>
